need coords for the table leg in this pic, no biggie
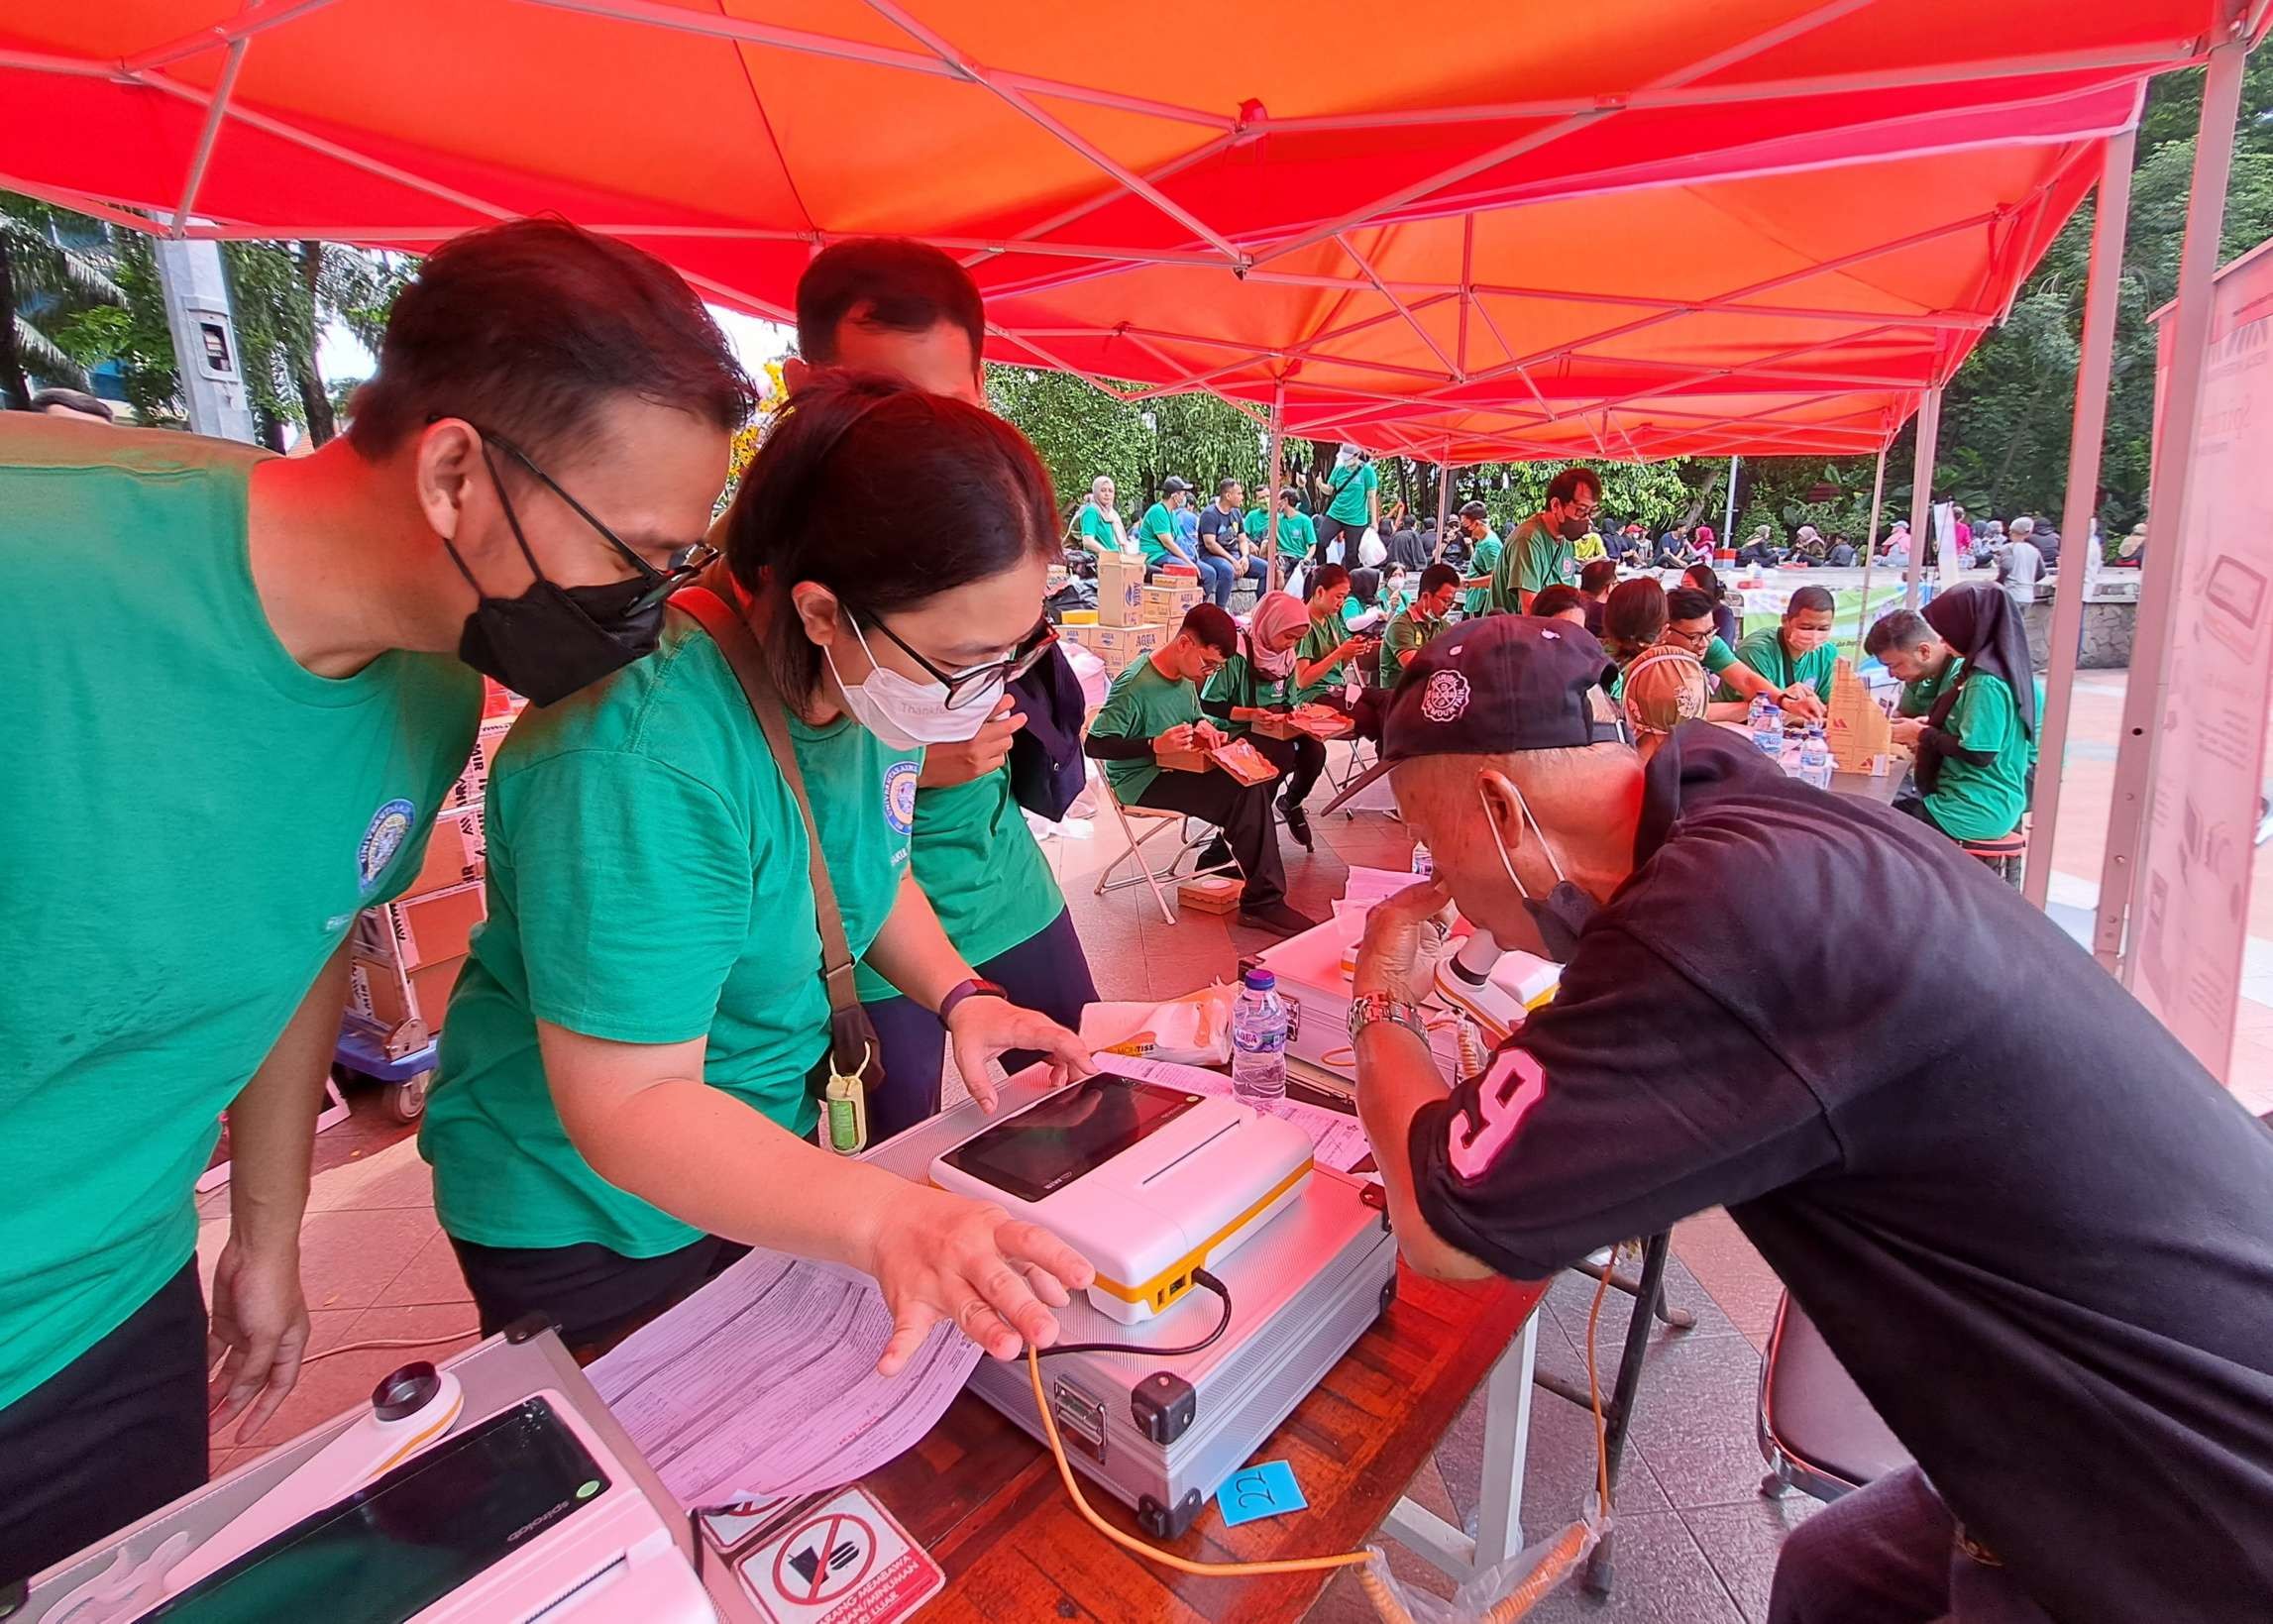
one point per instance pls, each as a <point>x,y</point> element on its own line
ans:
<point>1618,1414</point>
<point>1506,1443</point>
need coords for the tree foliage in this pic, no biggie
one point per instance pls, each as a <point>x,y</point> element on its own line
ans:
<point>46,282</point>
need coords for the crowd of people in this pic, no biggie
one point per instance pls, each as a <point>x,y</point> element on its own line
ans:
<point>762,820</point>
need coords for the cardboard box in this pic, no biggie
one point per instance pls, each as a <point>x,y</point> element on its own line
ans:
<point>421,930</point>
<point>1166,602</point>
<point>1211,894</point>
<point>1860,735</point>
<point>1140,638</point>
<point>1183,761</point>
<point>386,998</point>
<point>1120,589</point>
<point>1077,617</point>
<point>474,781</point>
<point>456,852</point>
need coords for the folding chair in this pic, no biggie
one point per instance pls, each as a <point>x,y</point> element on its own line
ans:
<point>1128,818</point>
<point>1818,1432</point>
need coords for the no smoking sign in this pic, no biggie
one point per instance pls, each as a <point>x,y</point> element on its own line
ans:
<point>845,1562</point>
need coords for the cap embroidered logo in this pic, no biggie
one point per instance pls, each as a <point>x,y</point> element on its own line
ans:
<point>1446,696</point>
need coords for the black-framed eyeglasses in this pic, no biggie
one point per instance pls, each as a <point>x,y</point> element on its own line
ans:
<point>961,686</point>
<point>688,563</point>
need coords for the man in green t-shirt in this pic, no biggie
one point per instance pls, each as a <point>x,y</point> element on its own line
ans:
<point>1353,505</point>
<point>1420,624</point>
<point>1967,663</point>
<point>1296,536</point>
<point>1540,549</point>
<point>1097,523</point>
<point>1483,558</point>
<point>1915,654</point>
<point>1157,533</point>
<point>243,700</point>
<point>1154,710</point>
<point>1795,657</point>
<point>1690,625</point>
<point>904,308</point>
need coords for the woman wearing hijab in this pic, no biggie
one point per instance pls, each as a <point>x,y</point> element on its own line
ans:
<point>1259,680</point>
<point>1362,610</point>
<point>1977,744</point>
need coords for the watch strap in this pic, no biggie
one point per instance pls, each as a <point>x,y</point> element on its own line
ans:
<point>975,986</point>
<point>1378,1006</point>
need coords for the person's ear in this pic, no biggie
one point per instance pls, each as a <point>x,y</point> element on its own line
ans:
<point>1502,807</point>
<point>446,462</point>
<point>797,372</point>
<point>823,617</point>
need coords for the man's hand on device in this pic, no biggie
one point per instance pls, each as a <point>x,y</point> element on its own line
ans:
<point>939,1257</point>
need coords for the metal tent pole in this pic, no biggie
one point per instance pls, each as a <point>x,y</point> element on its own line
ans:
<point>2148,691</point>
<point>2088,428</point>
<point>1270,497</point>
<point>1444,501</point>
<point>1921,492</point>
<point>1728,525</point>
<point>1870,554</point>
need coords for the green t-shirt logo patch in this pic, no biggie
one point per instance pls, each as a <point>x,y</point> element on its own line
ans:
<point>390,827</point>
<point>900,796</point>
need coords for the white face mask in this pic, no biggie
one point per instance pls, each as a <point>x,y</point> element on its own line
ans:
<point>905,714</point>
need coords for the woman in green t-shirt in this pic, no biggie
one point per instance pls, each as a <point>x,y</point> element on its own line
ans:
<point>628,1066</point>
<point>1258,680</point>
<point>1977,743</point>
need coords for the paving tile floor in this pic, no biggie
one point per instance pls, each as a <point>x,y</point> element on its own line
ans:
<point>1696,1544</point>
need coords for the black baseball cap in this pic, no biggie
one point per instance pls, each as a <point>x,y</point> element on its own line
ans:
<point>1173,484</point>
<point>1491,687</point>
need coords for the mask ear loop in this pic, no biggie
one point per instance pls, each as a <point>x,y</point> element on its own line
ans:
<point>1524,807</point>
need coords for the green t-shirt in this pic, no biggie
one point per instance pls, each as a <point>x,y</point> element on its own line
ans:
<point>191,820</point>
<point>1718,656</point>
<point>1536,557</point>
<point>1971,803</point>
<point>1350,486</point>
<point>1142,703</point>
<point>1482,560</point>
<point>649,884</point>
<point>1096,525</point>
<point>1918,697</point>
<point>982,869</point>
<point>1239,683</point>
<point>1296,535</point>
<point>1322,639</point>
<point>1765,653</point>
<point>1155,532</point>
<point>1410,633</point>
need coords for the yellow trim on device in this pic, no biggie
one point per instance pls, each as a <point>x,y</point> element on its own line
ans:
<point>1176,1279</point>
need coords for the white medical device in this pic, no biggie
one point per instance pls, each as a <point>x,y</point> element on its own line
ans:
<point>1148,1183</point>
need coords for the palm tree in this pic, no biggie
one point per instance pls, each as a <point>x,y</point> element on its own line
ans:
<point>35,271</point>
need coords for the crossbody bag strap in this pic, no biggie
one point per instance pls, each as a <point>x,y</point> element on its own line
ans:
<point>708,602</point>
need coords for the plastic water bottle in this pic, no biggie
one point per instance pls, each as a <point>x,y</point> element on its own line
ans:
<point>1767,723</point>
<point>1424,866</point>
<point>1259,1042</point>
<point>1815,758</point>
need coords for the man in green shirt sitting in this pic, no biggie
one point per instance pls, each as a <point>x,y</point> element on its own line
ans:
<point>1420,624</point>
<point>244,696</point>
<point>1153,709</point>
<point>1540,549</point>
<point>1296,536</point>
<point>1915,654</point>
<point>1157,533</point>
<point>1975,743</point>
<point>1795,657</point>
<point>1690,625</point>
<point>1097,525</point>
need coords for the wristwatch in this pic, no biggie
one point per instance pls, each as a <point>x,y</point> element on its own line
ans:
<point>1373,1006</point>
<point>976,987</point>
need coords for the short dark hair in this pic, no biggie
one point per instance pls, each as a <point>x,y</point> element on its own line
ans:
<point>1687,603</point>
<point>1701,577</point>
<point>1598,577</point>
<point>1636,611</point>
<point>1205,624</point>
<point>74,400</point>
<point>818,504</point>
<point>1474,510</point>
<point>1437,577</point>
<point>1559,598</point>
<point>891,282</point>
<point>1567,483</point>
<point>1807,599</point>
<point>1326,578</point>
<point>527,328</point>
<point>1225,483</point>
<point>1290,494</point>
<point>1896,628</point>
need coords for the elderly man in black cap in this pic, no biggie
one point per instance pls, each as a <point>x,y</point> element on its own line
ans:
<point>2037,1233</point>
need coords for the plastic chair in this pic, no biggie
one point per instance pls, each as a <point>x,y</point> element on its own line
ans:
<point>2002,855</point>
<point>1128,818</point>
<point>1818,1432</point>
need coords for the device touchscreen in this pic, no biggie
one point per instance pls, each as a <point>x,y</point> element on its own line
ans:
<point>390,1550</point>
<point>1069,1133</point>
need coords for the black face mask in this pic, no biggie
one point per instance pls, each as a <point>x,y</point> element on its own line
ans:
<point>1560,915</point>
<point>1572,529</point>
<point>553,640</point>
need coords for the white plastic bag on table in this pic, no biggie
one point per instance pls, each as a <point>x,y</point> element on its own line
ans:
<point>1371,550</point>
<point>1192,1030</point>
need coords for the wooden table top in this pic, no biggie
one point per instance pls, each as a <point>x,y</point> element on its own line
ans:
<point>986,1500</point>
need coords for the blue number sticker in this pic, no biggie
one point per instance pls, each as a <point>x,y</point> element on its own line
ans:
<point>1267,1490</point>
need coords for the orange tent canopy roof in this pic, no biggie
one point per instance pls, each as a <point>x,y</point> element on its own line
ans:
<point>733,135</point>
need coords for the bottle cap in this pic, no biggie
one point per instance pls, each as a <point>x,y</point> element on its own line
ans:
<point>1260,981</point>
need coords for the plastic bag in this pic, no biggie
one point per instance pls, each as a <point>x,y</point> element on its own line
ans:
<point>1337,551</point>
<point>1370,551</point>
<point>1192,1030</point>
<point>1294,580</point>
<point>1500,1595</point>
